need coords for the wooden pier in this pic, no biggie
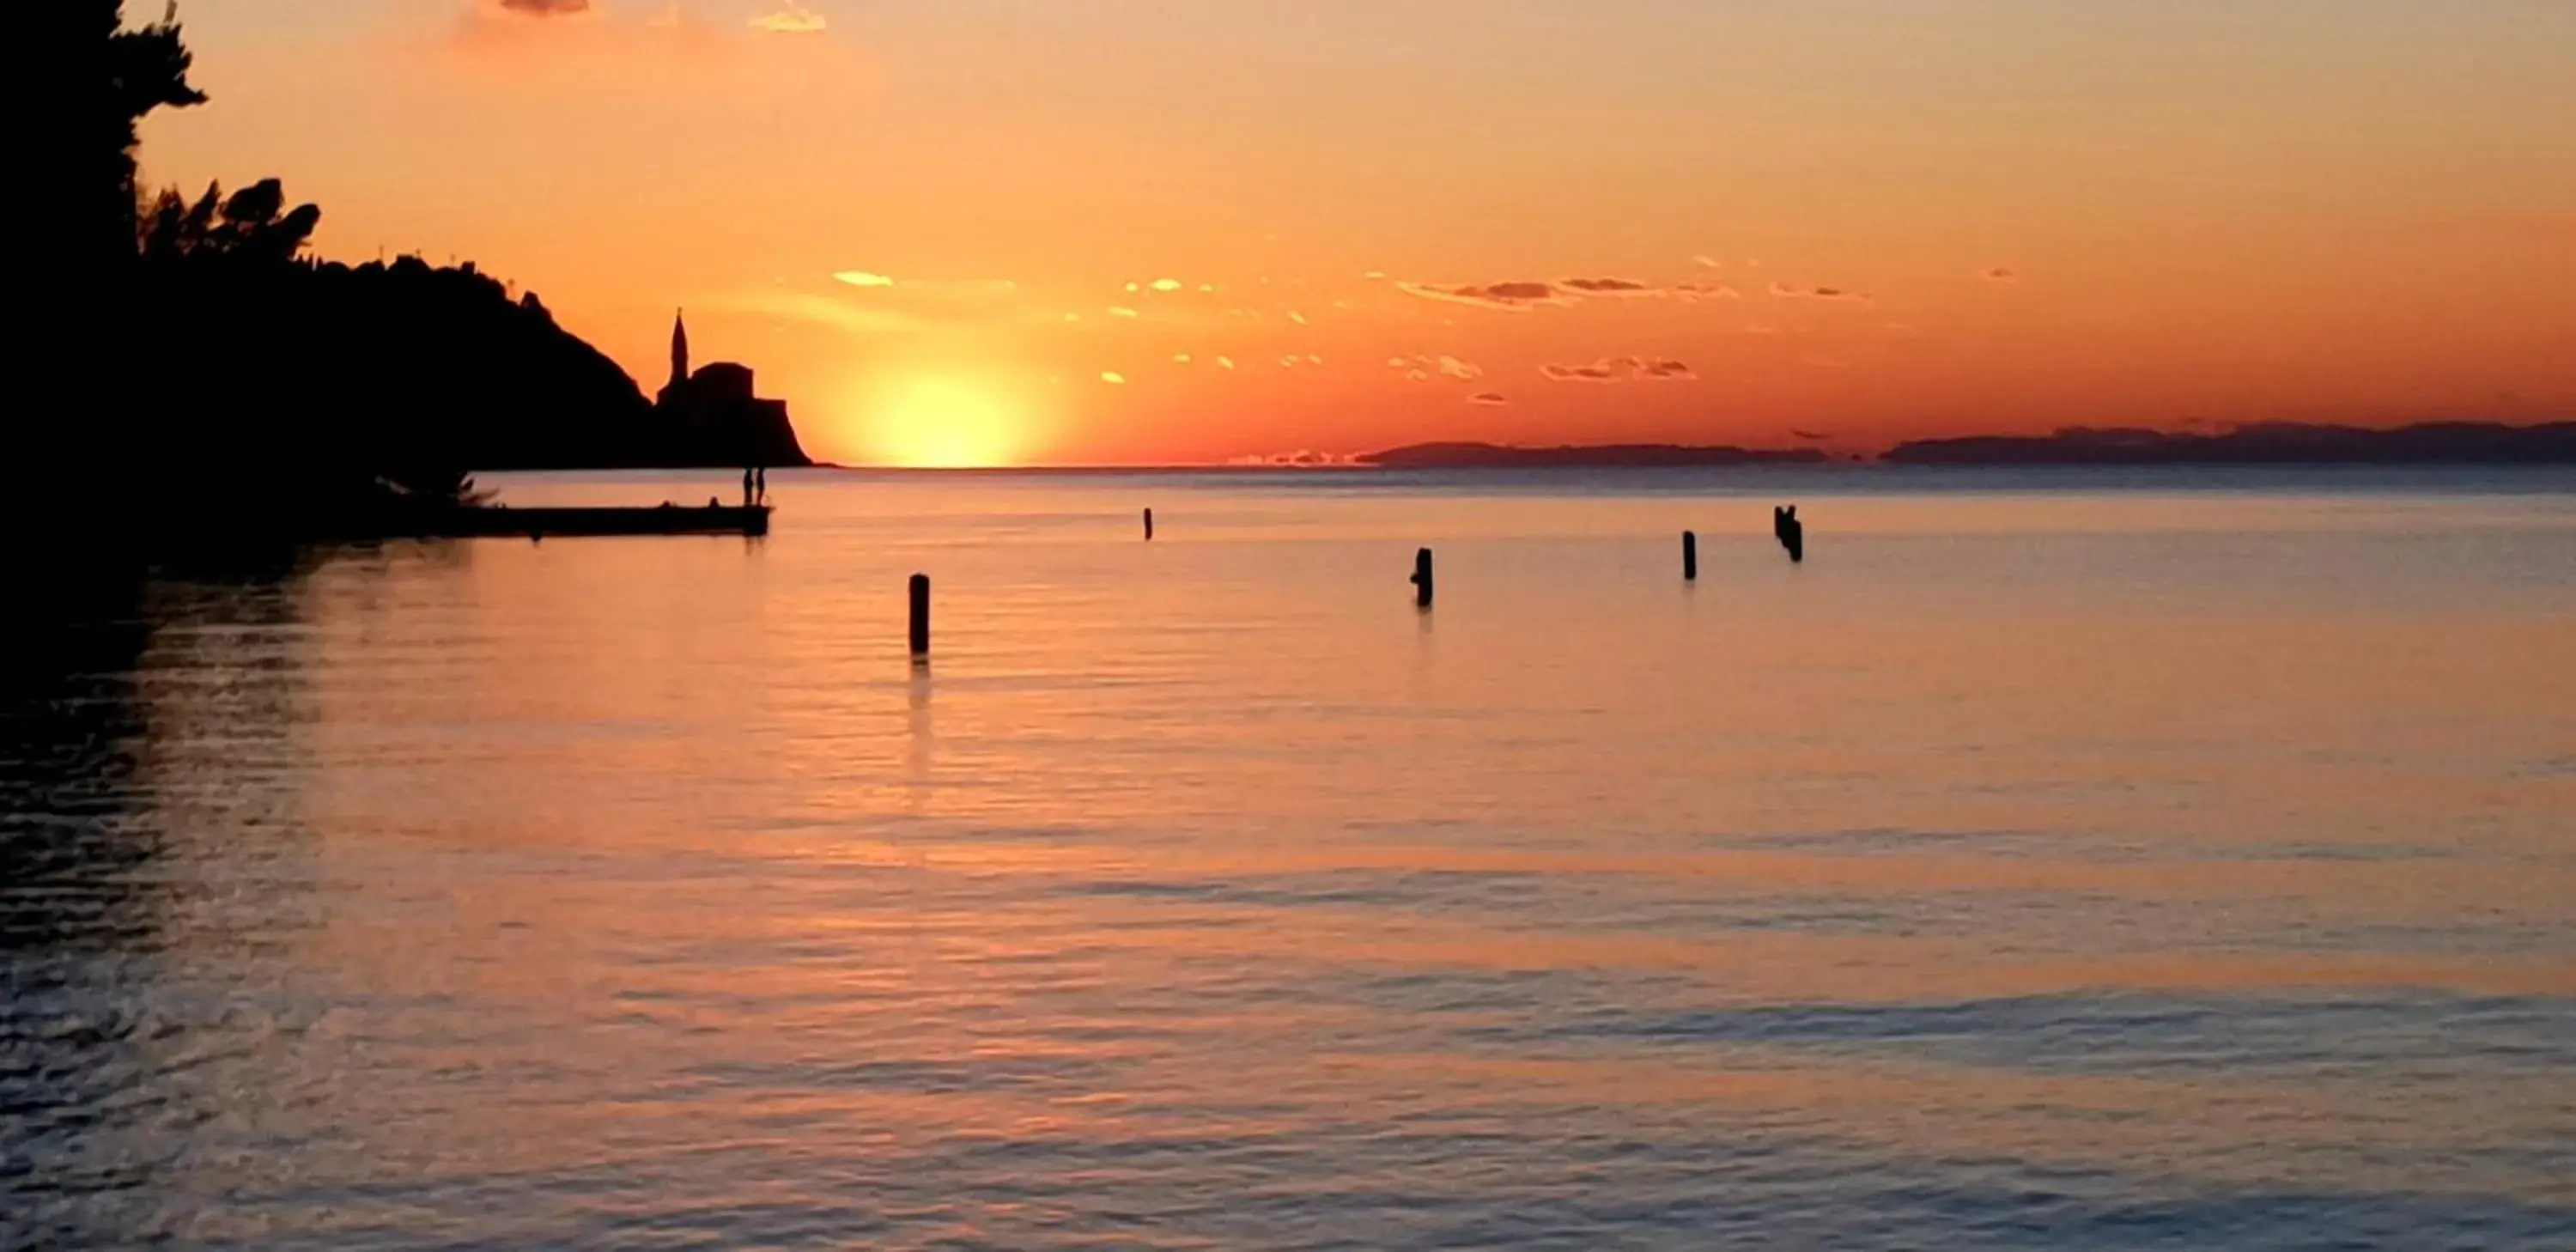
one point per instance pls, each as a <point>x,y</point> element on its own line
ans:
<point>500,521</point>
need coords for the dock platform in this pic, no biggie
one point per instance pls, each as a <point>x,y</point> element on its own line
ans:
<point>501,521</point>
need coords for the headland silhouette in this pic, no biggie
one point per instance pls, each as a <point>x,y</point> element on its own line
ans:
<point>231,383</point>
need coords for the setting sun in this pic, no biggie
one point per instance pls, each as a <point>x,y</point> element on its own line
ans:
<point>945,423</point>
<point>1150,622</point>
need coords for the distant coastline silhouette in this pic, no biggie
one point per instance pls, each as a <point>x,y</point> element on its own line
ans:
<point>2262,443</point>
<point>1468,455</point>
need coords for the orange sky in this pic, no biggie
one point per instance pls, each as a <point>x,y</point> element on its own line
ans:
<point>1351,225</point>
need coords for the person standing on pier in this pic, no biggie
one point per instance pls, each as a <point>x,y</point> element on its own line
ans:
<point>746,486</point>
<point>760,485</point>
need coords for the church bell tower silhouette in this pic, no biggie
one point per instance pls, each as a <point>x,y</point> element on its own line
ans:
<point>679,348</point>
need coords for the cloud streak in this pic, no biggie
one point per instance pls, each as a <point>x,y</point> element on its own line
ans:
<point>1694,291</point>
<point>1521,295</point>
<point>1421,368</point>
<point>1620,369</point>
<point>1821,293</point>
<point>788,18</point>
<point>1518,296</point>
<point>1610,287</point>
<point>827,311</point>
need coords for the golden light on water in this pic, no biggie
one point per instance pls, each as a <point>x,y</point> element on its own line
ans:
<point>942,422</point>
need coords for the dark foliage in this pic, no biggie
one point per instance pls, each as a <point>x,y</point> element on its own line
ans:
<point>234,385</point>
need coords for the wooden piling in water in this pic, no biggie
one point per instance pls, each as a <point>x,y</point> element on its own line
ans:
<point>1791,532</point>
<point>921,615</point>
<point>1690,556</point>
<point>1149,524</point>
<point>1422,578</point>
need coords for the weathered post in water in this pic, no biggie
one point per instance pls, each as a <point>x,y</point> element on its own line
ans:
<point>920,615</point>
<point>1690,556</point>
<point>1149,524</point>
<point>1422,578</point>
<point>1791,532</point>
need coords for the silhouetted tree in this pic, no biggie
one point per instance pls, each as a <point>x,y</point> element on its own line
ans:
<point>225,383</point>
<point>134,72</point>
<point>250,227</point>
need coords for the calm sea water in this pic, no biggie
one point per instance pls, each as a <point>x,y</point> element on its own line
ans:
<point>2096,862</point>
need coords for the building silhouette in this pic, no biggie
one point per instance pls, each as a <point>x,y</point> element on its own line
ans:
<point>717,409</point>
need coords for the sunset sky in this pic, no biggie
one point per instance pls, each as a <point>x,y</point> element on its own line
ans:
<point>1108,231</point>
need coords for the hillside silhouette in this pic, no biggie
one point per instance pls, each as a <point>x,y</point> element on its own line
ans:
<point>402,367</point>
<point>227,381</point>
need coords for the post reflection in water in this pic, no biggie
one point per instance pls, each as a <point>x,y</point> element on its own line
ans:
<point>918,726</point>
<point>2104,868</point>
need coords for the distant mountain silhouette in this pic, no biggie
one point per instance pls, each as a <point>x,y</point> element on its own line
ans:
<point>1593,456</point>
<point>2273,443</point>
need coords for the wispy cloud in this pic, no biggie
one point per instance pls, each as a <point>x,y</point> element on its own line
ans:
<point>2000,274</point>
<point>1820,293</point>
<point>961,288</point>
<point>1519,296</point>
<point>1609,286</point>
<point>1515,296</point>
<point>1523,294</point>
<point>789,18</point>
<point>1619,369</point>
<point>1113,378</point>
<point>1491,398</point>
<point>594,48</point>
<point>1697,290</point>
<point>1421,368</point>
<point>826,310</point>
<point>866,302</point>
